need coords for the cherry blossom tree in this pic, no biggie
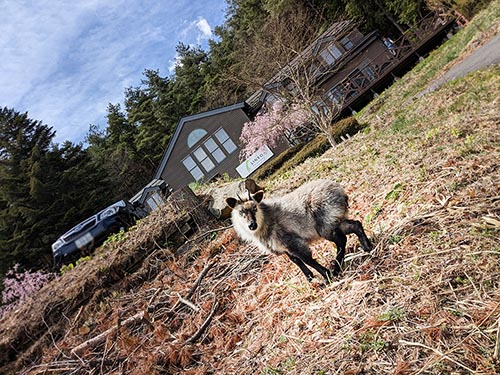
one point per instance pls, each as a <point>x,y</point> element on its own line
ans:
<point>19,285</point>
<point>271,126</point>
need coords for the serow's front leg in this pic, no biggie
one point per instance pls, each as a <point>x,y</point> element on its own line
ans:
<point>299,248</point>
<point>302,266</point>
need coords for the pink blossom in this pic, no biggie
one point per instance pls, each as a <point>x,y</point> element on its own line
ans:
<point>20,285</point>
<point>270,127</point>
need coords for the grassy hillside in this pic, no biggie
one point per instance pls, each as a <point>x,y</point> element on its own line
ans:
<point>424,178</point>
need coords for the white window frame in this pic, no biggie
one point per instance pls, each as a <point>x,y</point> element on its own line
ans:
<point>330,54</point>
<point>201,155</point>
<point>226,141</point>
<point>209,154</point>
<point>214,149</point>
<point>195,170</point>
<point>347,43</point>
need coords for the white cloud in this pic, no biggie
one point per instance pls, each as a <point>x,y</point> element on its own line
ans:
<point>204,27</point>
<point>196,32</point>
<point>64,61</point>
<point>174,63</point>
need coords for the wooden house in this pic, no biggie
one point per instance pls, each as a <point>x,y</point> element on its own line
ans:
<point>345,67</point>
<point>206,145</point>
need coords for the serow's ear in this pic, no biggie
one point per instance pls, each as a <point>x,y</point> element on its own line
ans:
<point>258,196</point>
<point>231,202</point>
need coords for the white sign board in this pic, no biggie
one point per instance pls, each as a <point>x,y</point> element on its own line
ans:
<point>254,161</point>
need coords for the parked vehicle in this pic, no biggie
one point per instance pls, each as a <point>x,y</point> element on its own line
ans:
<point>93,231</point>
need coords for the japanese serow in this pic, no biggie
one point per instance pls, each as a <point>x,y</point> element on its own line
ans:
<point>288,224</point>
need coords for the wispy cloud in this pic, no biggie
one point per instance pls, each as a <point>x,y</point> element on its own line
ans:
<point>195,34</point>
<point>64,61</point>
<point>174,63</point>
<point>204,27</point>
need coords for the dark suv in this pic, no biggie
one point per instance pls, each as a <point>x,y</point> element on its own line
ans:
<point>92,232</point>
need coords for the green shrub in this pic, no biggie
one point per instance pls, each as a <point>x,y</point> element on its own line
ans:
<point>67,267</point>
<point>317,146</point>
<point>313,148</point>
<point>348,125</point>
<point>116,237</point>
<point>469,8</point>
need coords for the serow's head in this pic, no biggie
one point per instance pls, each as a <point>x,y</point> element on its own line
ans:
<point>247,208</point>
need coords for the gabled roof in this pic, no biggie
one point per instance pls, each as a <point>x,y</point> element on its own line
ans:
<point>334,32</point>
<point>183,121</point>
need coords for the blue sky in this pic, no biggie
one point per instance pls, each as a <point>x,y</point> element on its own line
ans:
<point>63,61</point>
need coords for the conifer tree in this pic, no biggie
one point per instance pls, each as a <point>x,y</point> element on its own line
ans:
<point>45,190</point>
<point>23,142</point>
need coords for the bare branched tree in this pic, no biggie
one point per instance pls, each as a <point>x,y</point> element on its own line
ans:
<point>280,40</point>
<point>297,80</point>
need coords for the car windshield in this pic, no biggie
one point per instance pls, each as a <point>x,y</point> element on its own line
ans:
<point>91,219</point>
<point>117,204</point>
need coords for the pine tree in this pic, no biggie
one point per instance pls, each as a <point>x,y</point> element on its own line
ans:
<point>23,142</point>
<point>45,189</point>
<point>116,152</point>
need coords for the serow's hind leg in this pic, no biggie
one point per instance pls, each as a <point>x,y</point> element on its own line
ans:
<point>354,226</point>
<point>325,272</point>
<point>340,240</point>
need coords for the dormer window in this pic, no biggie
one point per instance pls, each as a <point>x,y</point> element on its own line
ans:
<point>346,43</point>
<point>330,54</point>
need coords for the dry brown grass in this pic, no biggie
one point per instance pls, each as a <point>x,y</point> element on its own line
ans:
<point>425,180</point>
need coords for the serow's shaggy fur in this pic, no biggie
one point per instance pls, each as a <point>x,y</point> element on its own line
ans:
<point>288,224</point>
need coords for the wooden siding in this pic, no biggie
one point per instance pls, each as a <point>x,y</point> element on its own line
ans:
<point>381,63</point>
<point>359,74</point>
<point>368,65</point>
<point>176,174</point>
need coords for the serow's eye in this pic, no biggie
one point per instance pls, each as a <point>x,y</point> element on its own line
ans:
<point>242,214</point>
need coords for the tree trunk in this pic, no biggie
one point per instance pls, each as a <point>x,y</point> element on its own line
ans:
<point>330,139</point>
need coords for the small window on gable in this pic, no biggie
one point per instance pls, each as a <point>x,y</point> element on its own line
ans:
<point>152,203</point>
<point>195,136</point>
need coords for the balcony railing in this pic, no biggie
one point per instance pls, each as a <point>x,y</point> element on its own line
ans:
<point>361,80</point>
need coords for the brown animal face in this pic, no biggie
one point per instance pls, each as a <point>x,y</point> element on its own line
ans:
<point>247,210</point>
